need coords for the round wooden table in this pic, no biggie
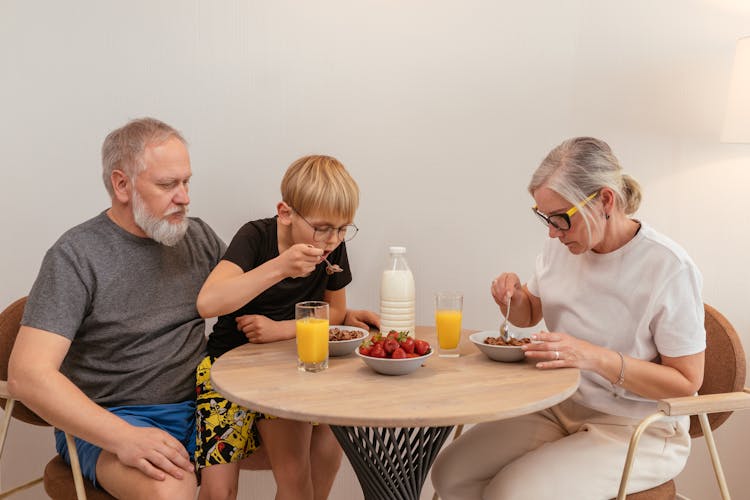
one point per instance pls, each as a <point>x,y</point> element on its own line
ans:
<point>391,428</point>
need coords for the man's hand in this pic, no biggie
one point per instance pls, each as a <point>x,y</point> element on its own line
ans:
<point>259,329</point>
<point>362,319</point>
<point>154,452</point>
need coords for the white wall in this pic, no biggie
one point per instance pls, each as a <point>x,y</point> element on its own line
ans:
<point>440,109</point>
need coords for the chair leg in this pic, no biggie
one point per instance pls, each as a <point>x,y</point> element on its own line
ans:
<point>459,430</point>
<point>9,404</point>
<point>634,439</point>
<point>718,471</point>
<point>75,465</point>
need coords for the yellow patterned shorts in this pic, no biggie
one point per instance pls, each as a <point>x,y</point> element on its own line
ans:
<point>226,431</point>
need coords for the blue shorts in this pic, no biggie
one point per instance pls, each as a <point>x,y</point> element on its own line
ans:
<point>178,419</point>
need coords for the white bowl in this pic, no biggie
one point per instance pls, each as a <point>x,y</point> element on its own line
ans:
<point>506,353</point>
<point>388,366</point>
<point>344,347</point>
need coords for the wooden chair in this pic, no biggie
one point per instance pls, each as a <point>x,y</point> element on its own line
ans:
<point>722,392</point>
<point>60,481</point>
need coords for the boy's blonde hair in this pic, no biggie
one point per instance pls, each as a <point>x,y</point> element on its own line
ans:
<point>319,184</point>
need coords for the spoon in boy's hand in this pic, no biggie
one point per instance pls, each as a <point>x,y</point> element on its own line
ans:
<point>332,268</point>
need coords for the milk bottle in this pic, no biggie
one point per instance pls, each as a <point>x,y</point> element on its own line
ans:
<point>397,303</point>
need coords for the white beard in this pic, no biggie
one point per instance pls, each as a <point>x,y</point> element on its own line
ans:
<point>159,229</point>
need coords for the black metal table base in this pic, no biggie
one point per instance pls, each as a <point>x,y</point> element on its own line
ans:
<point>391,463</point>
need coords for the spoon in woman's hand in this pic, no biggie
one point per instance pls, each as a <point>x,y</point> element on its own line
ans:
<point>504,329</point>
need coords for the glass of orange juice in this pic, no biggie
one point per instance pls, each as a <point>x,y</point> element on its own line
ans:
<point>312,335</point>
<point>448,309</point>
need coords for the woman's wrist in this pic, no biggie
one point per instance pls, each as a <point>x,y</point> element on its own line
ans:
<point>619,378</point>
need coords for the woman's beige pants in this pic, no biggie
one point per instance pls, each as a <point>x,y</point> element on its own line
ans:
<point>565,452</point>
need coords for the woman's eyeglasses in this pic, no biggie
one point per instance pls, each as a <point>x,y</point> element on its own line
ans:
<point>561,221</point>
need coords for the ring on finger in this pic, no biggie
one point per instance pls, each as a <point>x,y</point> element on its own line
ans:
<point>557,355</point>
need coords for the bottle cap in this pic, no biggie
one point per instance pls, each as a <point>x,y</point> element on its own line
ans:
<point>397,249</point>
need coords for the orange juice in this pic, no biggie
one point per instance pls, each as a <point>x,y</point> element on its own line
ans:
<point>312,340</point>
<point>448,324</point>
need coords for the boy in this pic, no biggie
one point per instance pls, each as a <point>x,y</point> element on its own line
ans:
<point>271,265</point>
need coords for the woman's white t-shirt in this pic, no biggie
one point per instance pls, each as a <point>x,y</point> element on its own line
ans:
<point>643,299</point>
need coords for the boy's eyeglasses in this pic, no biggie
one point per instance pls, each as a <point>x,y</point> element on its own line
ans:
<point>561,221</point>
<point>343,233</point>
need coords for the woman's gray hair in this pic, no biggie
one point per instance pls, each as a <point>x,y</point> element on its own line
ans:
<point>581,166</point>
<point>123,148</point>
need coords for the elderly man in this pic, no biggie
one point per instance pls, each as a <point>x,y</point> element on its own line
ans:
<point>111,336</point>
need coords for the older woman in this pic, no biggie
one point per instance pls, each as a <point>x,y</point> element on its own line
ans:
<point>622,302</point>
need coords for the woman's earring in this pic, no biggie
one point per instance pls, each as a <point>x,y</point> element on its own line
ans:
<point>606,216</point>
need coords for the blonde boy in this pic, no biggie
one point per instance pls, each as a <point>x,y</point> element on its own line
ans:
<point>270,265</point>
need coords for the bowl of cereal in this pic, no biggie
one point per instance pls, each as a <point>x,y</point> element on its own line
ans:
<point>343,340</point>
<point>491,343</point>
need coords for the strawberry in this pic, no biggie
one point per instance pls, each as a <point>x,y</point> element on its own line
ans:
<point>406,343</point>
<point>412,355</point>
<point>398,354</point>
<point>421,347</point>
<point>377,339</point>
<point>390,345</point>
<point>393,334</point>
<point>377,351</point>
<point>365,348</point>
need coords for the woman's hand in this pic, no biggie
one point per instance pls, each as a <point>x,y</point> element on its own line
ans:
<point>526,309</point>
<point>505,285</point>
<point>671,378</point>
<point>560,350</point>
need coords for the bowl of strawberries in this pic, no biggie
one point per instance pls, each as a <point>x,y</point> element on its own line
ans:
<point>395,353</point>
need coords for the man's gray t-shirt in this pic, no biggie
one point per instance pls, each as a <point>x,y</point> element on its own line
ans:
<point>128,306</point>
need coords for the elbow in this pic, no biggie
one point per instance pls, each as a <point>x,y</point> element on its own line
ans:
<point>694,385</point>
<point>23,377</point>
<point>15,387</point>
<point>18,382</point>
<point>204,309</point>
<point>689,387</point>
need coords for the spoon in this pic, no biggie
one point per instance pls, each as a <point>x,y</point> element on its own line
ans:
<point>332,268</point>
<point>504,329</point>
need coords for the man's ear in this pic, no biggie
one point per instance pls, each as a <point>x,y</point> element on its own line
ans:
<point>121,186</point>
<point>284,212</point>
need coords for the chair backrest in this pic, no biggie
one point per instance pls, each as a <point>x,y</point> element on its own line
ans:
<point>10,322</point>
<point>725,365</point>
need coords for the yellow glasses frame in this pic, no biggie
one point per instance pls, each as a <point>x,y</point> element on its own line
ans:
<point>561,221</point>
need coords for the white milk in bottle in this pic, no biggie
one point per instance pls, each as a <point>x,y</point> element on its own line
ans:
<point>397,302</point>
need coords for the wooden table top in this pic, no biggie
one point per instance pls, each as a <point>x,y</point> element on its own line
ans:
<point>444,391</point>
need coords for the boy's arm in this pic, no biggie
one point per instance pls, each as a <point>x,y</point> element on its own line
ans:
<point>34,378</point>
<point>336,306</point>
<point>259,329</point>
<point>340,315</point>
<point>362,318</point>
<point>228,287</point>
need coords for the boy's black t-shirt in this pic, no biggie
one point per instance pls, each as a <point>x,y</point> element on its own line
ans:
<point>255,243</point>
